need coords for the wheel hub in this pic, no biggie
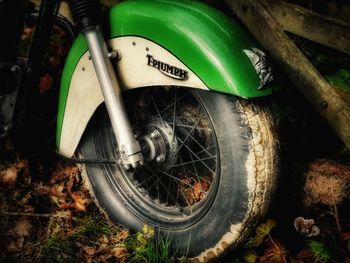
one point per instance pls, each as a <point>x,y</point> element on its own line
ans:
<point>159,145</point>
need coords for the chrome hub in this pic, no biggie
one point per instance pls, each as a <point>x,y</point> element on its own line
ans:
<point>159,145</point>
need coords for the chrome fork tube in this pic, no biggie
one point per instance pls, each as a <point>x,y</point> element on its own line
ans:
<point>129,147</point>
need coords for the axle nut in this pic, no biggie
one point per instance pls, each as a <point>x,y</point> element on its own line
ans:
<point>155,134</point>
<point>160,158</point>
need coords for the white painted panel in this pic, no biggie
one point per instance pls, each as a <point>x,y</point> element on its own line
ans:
<point>85,95</point>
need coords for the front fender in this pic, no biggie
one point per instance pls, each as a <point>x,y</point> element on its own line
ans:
<point>161,42</point>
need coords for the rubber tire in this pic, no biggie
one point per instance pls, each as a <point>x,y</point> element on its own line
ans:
<point>249,152</point>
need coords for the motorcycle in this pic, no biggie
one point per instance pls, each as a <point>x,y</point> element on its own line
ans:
<point>163,113</point>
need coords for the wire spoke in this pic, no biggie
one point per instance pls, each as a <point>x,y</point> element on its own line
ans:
<point>198,158</point>
<point>148,178</point>
<point>184,195</point>
<point>169,186</point>
<point>174,115</point>
<point>191,162</point>
<point>177,179</point>
<point>209,148</point>
<point>168,192</point>
<point>192,173</point>
<point>182,166</point>
<point>199,144</point>
<point>155,106</point>
<point>188,126</point>
<point>172,103</point>
<point>188,135</point>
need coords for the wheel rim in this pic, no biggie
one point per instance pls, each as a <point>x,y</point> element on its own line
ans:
<point>178,190</point>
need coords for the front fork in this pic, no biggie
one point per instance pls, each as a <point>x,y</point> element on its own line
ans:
<point>87,18</point>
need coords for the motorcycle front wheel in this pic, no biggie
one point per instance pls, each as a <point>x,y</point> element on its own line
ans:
<point>210,169</point>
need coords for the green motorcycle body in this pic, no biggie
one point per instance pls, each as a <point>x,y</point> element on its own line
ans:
<point>159,42</point>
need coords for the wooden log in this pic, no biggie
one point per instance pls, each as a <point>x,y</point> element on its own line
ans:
<point>318,28</point>
<point>326,101</point>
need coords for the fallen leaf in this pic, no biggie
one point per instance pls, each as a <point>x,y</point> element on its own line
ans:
<point>79,202</point>
<point>120,252</point>
<point>305,255</point>
<point>275,253</point>
<point>346,236</point>
<point>22,228</point>
<point>62,173</point>
<point>121,236</point>
<point>45,83</point>
<point>70,184</point>
<point>148,231</point>
<point>41,189</point>
<point>25,199</point>
<point>9,175</point>
<point>23,166</point>
<point>28,209</point>
<point>193,190</point>
<point>250,256</point>
<point>15,246</point>
<point>104,258</point>
<point>103,240</point>
<point>57,191</point>
<point>261,232</point>
<point>87,252</point>
<point>27,33</point>
<point>63,214</point>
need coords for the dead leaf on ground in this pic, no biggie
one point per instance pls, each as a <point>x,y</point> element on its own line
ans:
<point>79,203</point>
<point>120,236</point>
<point>57,194</point>
<point>64,172</point>
<point>103,240</point>
<point>28,209</point>
<point>22,228</point>
<point>41,189</point>
<point>8,176</point>
<point>305,255</point>
<point>326,182</point>
<point>104,258</point>
<point>120,252</point>
<point>275,253</point>
<point>45,83</point>
<point>15,246</point>
<point>19,232</point>
<point>262,231</point>
<point>87,252</point>
<point>23,165</point>
<point>346,236</point>
<point>193,190</point>
<point>25,199</point>
<point>117,241</point>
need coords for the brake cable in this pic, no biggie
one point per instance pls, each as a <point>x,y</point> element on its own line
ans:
<point>83,160</point>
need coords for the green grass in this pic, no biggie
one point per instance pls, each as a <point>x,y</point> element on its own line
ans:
<point>147,247</point>
<point>57,249</point>
<point>320,253</point>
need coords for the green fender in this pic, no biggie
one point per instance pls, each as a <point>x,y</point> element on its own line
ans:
<point>205,40</point>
